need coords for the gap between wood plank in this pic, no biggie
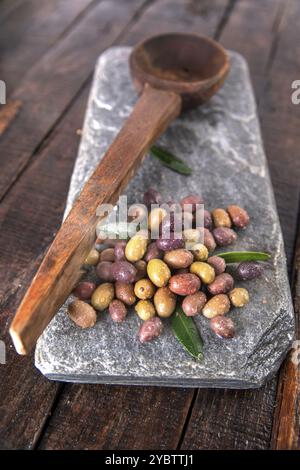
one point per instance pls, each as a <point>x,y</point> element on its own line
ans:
<point>140,11</point>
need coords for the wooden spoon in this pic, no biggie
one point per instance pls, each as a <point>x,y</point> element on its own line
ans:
<point>172,72</point>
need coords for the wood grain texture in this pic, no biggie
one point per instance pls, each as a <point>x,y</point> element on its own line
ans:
<point>284,69</point>
<point>29,217</point>
<point>286,428</point>
<point>52,83</point>
<point>224,419</point>
<point>48,22</point>
<point>61,267</point>
<point>116,417</point>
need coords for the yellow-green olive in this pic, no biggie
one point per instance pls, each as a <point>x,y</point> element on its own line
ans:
<point>144,289</point>
<point>204,271</point>
<point>200,252</point>
<point>221,218</point>
<point>136,247</point>
<point>92,258</point>
<point>158,272</point>
<point>145,309</point>
<point>239,297</point>
<point>217,305</point>
<point>165,302</point>
<point>102,296</point>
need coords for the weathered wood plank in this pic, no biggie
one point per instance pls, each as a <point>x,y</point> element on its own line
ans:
<point>29,31</point>
<point>286,427</point>
<point>283,123</point>
<point>53,82</point>
<point>116,417</point>
<point>224,419</point>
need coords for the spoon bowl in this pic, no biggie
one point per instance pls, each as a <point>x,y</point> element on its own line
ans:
<point>190,65</point>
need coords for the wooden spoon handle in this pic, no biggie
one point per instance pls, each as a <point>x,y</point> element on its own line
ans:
<point>60,269</point>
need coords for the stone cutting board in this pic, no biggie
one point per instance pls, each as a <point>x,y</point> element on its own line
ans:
<point>221,141</point>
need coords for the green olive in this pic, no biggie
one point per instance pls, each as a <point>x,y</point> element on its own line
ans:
<point>145,309</point>
<point>165,302</point>
<point>239,297</point>
<point>158,272</point>
<point>136,247</point>
<point>144,289</point>
<point>204,271</point>
<point>102,296</point>
<point>217,305</point>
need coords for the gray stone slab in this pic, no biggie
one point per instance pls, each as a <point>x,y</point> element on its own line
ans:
<point>221,141</point>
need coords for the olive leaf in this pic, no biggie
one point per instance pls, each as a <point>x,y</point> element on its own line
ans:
<point>169,160</point>
<point>187,334</point>
<point>238,256</point>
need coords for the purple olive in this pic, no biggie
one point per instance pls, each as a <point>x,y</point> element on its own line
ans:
<point>120,250</point>
<point>152,196</point>
<point>248,270</point>
<point>153,252</point>
<point>117,311</point>
<point>84,290</point>
<point>170,223</point>
<point>104,271</point>
<point>150,329</point>
<point>171,243</point>
<point>123,271</point>
<point>224,236</point>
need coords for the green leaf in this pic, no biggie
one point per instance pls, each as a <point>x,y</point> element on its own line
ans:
<point>186,332</point>
<point>171,161</point>
<point>238,256</point>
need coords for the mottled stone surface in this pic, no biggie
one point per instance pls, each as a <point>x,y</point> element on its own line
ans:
<point>222,143</point>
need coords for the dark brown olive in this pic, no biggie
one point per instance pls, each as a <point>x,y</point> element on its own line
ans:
<point>207,220</point>
<point>153,252</point>
<point>248,270</point>
<point>107,255</point>
<point>123,271</point>
<point>84,290</point>
<point>141,267</point>
<point>104,271</point>
<point>152,196</point>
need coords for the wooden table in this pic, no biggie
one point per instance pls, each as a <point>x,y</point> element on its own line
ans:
<point>48,51</point>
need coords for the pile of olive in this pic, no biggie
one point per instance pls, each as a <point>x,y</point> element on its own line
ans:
<point>155,275</point>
